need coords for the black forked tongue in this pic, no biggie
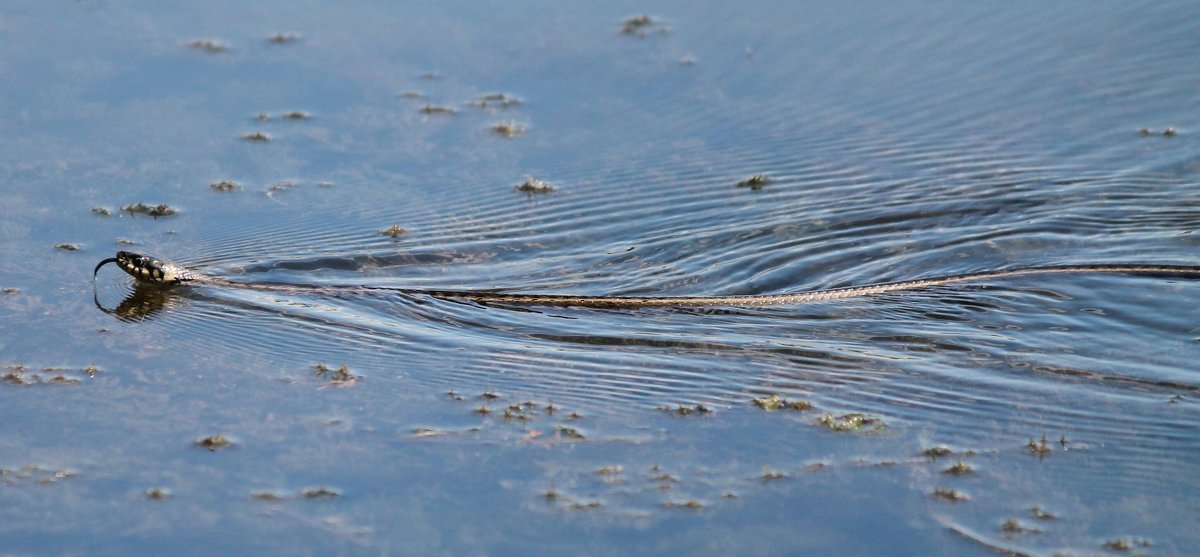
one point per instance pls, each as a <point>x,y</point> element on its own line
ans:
<point>102,263</point>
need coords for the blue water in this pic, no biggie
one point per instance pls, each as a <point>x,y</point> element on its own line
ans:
<point>901,142</point>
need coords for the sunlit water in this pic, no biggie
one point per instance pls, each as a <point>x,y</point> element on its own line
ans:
<point>900,142</point>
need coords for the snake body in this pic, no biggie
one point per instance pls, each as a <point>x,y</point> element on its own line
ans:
<point>149,270</point>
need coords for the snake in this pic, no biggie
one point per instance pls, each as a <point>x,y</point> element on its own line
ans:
<point>152,271</point>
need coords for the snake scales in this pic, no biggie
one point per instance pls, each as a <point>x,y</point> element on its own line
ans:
<point>149,270</point>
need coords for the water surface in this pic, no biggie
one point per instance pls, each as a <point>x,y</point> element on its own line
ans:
<point>900,142</point>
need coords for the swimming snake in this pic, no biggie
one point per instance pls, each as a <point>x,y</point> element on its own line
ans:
<point>147,269</point>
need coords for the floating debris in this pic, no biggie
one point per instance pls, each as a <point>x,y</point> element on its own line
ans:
<point>68,247</point>
<point>157,493</point>
<point>283,38</point>
<point>1041,514</point>
<point>411,94</point>
<point>10,290</point>
<point>937,452</point>
<point>642,25</point>
<point>1123,544</point>
<point>101,211</point>
<point>755,182</point>
<point>775,402</point>
<point>570,433</point>
<point>500,100</point>
<point>950,494</point>
<point>533,186</point>
<point>769,475</point>
<point>435,109</point>
<point>585,505</point>
<point>33,473</point>
<point>691,504</point>
<point>508,129</point>
<point>1144,132</point>
<point>852,422</point>
<point>266,496</point>
<point>610,470</point>
<point>1039,448</point>
<point>339,376</point>
<point>685,410</point>
<point>256,136</point>
<point>296,115</point>
<point>263,117</point>
<point>394,231</point>
<point>225,185</point>
<point>1014,526</point>
<point>959,468</point>
<point>19,374</point>
<point>208,45</point>
<point>321,493</point>
<point>214,442</point>
<point>160,210</point>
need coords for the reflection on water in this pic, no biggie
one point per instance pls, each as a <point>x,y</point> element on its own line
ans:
<point>893,143</point>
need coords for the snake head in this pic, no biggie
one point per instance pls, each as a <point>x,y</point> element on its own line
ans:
<point>146,269</point>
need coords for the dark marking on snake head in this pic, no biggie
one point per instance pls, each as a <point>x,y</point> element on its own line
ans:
<point>139,266</point>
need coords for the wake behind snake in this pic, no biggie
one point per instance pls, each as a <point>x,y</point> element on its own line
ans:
<point>147,269</point>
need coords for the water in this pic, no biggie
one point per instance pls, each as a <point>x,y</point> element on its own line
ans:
<point>901,142</point>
